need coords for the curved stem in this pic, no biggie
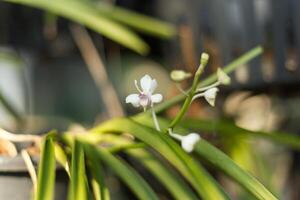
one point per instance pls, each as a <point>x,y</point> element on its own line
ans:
<point>208,87</point>
<point>189,98</point>
<point>197,96</point>
<point>155,119</point>
<point>174,135</point>
<point>180,89</point>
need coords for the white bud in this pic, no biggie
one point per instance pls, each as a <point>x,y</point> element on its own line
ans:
<point>179,75</point>
<point>223,78</point>
<point>189,142</point>
<point>204,59</point>
<point>210,95</point>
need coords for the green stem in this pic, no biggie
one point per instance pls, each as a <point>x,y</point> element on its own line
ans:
<point>155,119</point>
<point>189,98</point>
<point>254,52</point>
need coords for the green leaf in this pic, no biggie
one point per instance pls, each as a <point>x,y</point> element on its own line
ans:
<point>228,128</point>
<point>61,157</point>
<point>46,171</point>
<point>78,186</point>
<point>128,175</point>
<point>225,164</point>
<point>86,14</point>
<point>203,183</point>
<point>174,183</point>
<point>101,192</point>
<point>252,53</point>
<point>220,160</point>
<point>138,21</point>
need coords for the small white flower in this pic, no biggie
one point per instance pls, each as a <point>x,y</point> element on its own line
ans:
<point>223,78</point>
<point>210,95</point>
<point>189,142</point>
<point>145,97</point>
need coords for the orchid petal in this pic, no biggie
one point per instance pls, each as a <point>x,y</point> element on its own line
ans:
<point>189,142</point>
<point>146,83</point>
<point>156,98</point>
<point>152,86</point>
<point>133,99</point>
<point>210,95</point>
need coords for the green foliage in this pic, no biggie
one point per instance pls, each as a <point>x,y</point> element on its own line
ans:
<point>180,173</point>
<point>78,186</point>
<point>202,182</point>
<point>46,173</point>
<point>104,20</point>
<point>134,181</point>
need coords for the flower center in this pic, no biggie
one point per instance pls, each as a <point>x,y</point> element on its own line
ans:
<point>144,100</point>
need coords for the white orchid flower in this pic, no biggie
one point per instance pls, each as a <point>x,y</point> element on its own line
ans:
<point>145,97</point>
<point>223,78</point>
<point>210,95</point>
<point>188,142</point>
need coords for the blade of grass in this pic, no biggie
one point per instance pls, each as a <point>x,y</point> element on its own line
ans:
<point>220,160</point>
<point>203,183</point>
<point>101,191</point>
<point>225,164</point>
<point>78,186</point>
<point>127,174</point>
<point>228,128</point>
<point>177,187</point>
<point>86,14</point>
<point>61,157</point>
<point>138,21</point>
<point>46,171</point>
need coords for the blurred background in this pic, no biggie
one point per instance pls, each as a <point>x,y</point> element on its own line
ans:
<point>54,73</point>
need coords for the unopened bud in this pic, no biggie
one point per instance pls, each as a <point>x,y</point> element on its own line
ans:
<point>204,59</point>
<point>223,78</point>
<point>179,75</point>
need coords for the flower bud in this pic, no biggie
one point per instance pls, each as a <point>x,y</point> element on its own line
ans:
<point>204,59</point>
<point>210,95</point>
<point>223,78</point>
<point>179,75</point>
<point>189,142</point>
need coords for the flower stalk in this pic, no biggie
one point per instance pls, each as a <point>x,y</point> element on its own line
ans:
<point>188,100</point>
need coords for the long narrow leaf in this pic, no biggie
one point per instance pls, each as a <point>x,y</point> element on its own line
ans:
<point>134,181</point>
<point>177,187</point>
<point>78,186</point>
<point>225,164</point>
<point>86,14</point>
<point>226,127</point>
<point>61,157</point>
<point>46,173</point>
<point>174,183</point>
<point>203,183</point>
<point>138,21</point>
<point>101,192</point>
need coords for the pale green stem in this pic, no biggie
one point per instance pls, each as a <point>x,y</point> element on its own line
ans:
<point>174,135</point>
<point>189,98</point>
<point>208,87</point>
<point>155,119</point>
<point>197,96</point>
<point>180,89</point>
